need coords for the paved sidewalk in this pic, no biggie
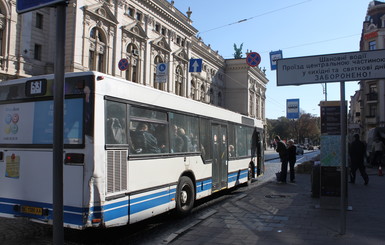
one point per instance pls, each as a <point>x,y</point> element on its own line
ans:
<point>274,213</point>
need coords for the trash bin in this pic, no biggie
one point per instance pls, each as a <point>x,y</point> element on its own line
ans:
<point>330,181</point>
<point>316,181</point>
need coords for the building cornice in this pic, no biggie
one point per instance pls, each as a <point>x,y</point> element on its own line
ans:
<point>206,53</point>
<point>170,14</point>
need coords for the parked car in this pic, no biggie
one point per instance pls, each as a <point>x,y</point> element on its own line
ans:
<point>299,150</point>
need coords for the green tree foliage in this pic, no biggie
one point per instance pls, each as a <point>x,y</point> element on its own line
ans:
<point>307,126</point>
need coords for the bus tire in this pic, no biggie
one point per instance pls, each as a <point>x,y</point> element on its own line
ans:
<point>185,196</point>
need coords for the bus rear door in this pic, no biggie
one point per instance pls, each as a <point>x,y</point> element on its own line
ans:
<point>219,165</point>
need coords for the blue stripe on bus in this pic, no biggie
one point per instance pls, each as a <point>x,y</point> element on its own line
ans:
<point>237,176</point>
<point>72,215</point>
<point>151,201</point>
<point>108,212</point>
<point>203,185</point>
<point>154,195</point>
<point>75,215</point>
<point>121,211</point>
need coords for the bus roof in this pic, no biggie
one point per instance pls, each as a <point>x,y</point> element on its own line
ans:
<point>121,88</point>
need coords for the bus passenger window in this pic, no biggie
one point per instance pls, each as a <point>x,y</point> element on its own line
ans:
<point>205,139</point>
<point>12,93</point>
<point>241,139</point>
<point>144,141</point>
<point>148,138</point>
<point>116,123</point>
<point>184,133</point>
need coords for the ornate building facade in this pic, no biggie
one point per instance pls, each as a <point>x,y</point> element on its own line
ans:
<point>372,92</point>
<point>99,33</point>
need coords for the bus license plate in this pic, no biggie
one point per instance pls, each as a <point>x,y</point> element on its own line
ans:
<point>31,210</point>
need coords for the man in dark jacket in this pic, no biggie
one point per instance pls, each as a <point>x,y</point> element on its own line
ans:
<point>282,150</point>
<point>292,157</point>
<point>357,151</point>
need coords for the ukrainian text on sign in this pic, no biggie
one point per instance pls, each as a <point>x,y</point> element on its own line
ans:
<point>331,68</point>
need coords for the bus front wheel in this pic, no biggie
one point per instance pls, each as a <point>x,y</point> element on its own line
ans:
<point>185,196</point>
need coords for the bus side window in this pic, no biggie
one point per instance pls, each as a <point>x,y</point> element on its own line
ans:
<point>184,133</point>
<point>148,138</point>
<point>12,93</point>
<point>205,139</point>
<point>231,138</point>
<point>115,123</point>
<point>241,141</point>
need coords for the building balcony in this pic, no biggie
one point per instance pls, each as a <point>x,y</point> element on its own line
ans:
<point>371,119</point>
<point>371,97</point>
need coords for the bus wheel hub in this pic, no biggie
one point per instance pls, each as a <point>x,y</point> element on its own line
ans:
<point>183,197</point>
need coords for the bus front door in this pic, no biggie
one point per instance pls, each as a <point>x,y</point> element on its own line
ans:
<point>219,166</point>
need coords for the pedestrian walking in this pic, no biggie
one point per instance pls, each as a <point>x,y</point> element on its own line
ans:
<point>282,150</point>
<point>357,152</point>
<point>292,157</point>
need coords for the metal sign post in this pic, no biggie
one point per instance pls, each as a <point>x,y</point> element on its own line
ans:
<point>58,123</point>
<point>23,6</point>
<point>343,202</point>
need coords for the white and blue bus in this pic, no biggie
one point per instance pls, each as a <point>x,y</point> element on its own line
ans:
<point>130,151</point>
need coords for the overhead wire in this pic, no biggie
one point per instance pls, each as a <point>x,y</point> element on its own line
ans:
<point>256,16</point>
<point>277,103</point>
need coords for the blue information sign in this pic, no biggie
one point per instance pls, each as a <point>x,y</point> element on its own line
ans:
<point>292,110</point>
<point>195,65</point>
<point>23,6</point>
<point>274,56</point>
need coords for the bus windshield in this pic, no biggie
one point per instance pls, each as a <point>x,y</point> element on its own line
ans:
<point>32,122</point>
<point>27,109</point>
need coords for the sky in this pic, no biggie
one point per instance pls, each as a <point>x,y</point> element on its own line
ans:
<point>297,27</point>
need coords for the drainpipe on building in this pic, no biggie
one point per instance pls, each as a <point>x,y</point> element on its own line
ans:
<point>115,44</point>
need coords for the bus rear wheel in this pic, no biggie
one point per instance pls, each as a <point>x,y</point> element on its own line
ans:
<point>185,196</point>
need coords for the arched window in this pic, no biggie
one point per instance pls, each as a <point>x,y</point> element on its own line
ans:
<point>179,81</point>
<point>2,30</point>
<point>251,105</point>
<point>97,50</point>
<point>262,110</point>
<point>219,99</point>
<point>160,86</point>
<point>212,96</point>
<point>133,59</point>
<point>203,93</point>
<point>193,90</point>
<point>257,112</point>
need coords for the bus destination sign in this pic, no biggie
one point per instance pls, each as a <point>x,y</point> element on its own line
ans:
<point>36,87</point>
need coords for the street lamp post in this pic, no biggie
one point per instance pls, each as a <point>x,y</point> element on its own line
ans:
<point>325,90</point>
